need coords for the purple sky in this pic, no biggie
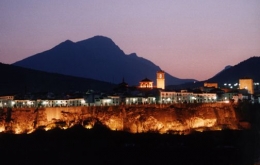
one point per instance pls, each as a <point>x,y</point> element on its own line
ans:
<point>186,38</point>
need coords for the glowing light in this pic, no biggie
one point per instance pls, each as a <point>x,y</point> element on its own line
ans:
<point>47,128</point>
<point>30,131</point>
<point>65,127</point>
<point>18,130</point>
<point>88,126</point>
<point>150,122</point>
<point>83,101</point>
<point>2,129</point>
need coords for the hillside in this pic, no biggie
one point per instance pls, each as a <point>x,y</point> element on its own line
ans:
<point>248,68</point>
<point>16,79</point>
<point>230,74</point>
<point>97,58</point>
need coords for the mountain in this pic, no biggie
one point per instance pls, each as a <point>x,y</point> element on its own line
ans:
<point>227,67</point>
<point>16,79</point>
<point>248,68</point>
<point>97,58</point>
<point>230,74</point>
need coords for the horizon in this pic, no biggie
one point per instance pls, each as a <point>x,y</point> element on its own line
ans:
<point>181,37</point>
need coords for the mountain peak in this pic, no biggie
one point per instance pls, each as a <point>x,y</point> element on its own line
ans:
<point>98,42</point>
<point>133,55</point>
<point>227,67</point>
<point>97,58</point>
<point>247,68</point>
<point>65,44</point>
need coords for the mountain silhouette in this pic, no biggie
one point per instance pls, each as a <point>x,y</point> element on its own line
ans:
<point>22,80</point>
<point>226,67</point>
<point>96,58</point>
<point>230,74</point>
<point>245,69</point>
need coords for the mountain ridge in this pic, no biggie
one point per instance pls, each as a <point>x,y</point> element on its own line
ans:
<point>22,80</point>
<point>248,68</point>
<point>97,58</point>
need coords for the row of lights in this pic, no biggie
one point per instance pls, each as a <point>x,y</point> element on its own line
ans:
<point>193,98</point>
<point>134,99</point>
<point>30,103</point>
<point>236,84</point>
<point>61,102</point>
<point>230,85</point>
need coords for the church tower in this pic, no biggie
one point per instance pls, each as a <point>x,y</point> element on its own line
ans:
<point>160,79</point>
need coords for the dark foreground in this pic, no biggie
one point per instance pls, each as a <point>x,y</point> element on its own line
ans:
<point>101,146</point>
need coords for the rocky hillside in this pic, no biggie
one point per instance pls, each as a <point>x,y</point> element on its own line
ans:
<point>180,118</point>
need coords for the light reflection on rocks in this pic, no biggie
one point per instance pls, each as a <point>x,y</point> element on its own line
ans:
<point>138,118</point>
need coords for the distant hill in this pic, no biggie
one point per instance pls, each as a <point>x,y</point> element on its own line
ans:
<point>16,79</point>
<point>227,67</point>
<point>249,68</point>
<point>231,74</point>
<point>97,58</point>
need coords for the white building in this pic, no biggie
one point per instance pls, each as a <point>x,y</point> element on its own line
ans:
<point>140,100</point>
<point>169,97</point>
<point>6,101</point>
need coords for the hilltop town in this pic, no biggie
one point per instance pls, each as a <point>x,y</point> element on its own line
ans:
<point>146,93</point>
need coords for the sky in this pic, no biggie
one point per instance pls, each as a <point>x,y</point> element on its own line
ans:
<point>186,38</point>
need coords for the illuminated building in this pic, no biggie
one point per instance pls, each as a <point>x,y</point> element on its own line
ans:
<point>146,83</point>
<point>140,100</point>
<point>248,84</point>
<point>186,97</point>
<point>207,84</point>
<point>160,79</point>
<point>6,101</point>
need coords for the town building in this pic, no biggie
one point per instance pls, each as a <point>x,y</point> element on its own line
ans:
<point>211,84</point>
<point>248,84</point>
<point>146,83</point>
<point>184,96</point>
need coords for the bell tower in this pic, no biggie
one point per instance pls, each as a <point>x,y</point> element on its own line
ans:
<point>160,79</point>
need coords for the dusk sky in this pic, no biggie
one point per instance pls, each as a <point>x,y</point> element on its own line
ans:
<point>186,38</point>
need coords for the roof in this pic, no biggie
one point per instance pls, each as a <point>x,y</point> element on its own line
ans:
<point>146,80</point>
<point>160,71</point>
